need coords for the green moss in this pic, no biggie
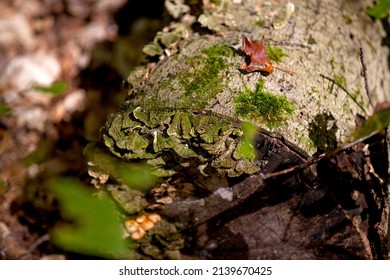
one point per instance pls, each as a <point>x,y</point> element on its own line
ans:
<point>275,53</point>
<point>262,105</point>
<point>335,64</point>
<point>314,90</point>
<point>216,2</point>
<point>166,83</point>
<point>203,82</point>
<point>260,23</point>
<point>356,94</point>
<point>340,80</point>
<point>332,62</point>
<point>347,19</point>
<point>311,41</point>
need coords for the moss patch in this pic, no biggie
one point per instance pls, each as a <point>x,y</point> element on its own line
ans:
<point>263,106</point>
<point>275,53</point>
<point>216,2</point>
<point>347,19</point>
<point>260,23</point>
<point>203,82</point>
<point>311,40</point>
<point>340,80</point>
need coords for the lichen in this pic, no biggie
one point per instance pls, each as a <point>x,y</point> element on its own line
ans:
<point>263,106</point>
<point>162,242</point>
<point>131,201</point>
<point>171,138</point>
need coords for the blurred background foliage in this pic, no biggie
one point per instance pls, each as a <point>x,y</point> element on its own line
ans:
<point>380,10</point>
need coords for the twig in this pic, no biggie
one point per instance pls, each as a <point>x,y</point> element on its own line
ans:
<point>316,159</point>
<point>284,69</point>
<point>38,242</point>
<point>364,72</point>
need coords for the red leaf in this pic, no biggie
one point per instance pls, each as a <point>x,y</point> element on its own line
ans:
<point>259,60</point>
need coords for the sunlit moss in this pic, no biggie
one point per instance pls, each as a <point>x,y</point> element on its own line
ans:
<point>340,80</point>
<point>311,41</point>
<point>314,90</point>
<point>263,105</point>
<point>347,19</point>
<point>275,53</point>
<point>216,2</point>
<point>260,23</point>
<point>205,81</point>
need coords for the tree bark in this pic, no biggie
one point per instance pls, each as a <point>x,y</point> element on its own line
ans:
<point>334,209</point>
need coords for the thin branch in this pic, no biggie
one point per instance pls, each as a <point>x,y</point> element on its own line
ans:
<point>38,242</point>
<point>316,159</point>
<point>364,72</point>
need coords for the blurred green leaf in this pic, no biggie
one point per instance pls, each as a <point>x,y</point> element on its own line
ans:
<point>4,109</point>
<point>41,154</point>
<point>246,148</point>
<point>56,88</point>
<point>95,228</point>
<point>379,121</point>
<point>380,10</point>
<point>2,185</point>
<point>135,175</point>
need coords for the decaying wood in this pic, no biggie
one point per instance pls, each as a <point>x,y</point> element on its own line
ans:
<point>323,212</point>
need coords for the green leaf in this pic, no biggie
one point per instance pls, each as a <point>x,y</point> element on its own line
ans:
<point>379,121</point>
<point>56,88</point>
<point>41,154</point>
<point>95,229</point>
<point>380,10</point>
<point>247,140</point>
<point>135,175</point>
<point>4,109</point>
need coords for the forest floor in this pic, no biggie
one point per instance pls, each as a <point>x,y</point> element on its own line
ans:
<point>62,67</point>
